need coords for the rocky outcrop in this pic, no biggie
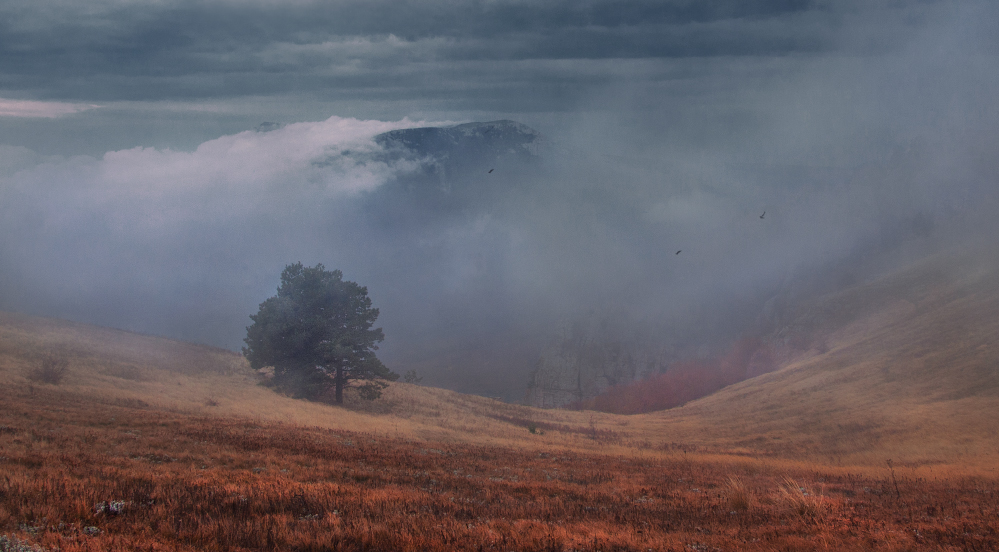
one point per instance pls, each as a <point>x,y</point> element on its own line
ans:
<point>446,156</point>
<point>468,142</point>
<point>456,171</point>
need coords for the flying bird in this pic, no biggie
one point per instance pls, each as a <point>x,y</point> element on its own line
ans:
<point>764,214</point>
<point>678,252</point>
<point>490,171</point>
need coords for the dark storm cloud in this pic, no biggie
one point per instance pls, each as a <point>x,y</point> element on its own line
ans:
<point>104,51</point>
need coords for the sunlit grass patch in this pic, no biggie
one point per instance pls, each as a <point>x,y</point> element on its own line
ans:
<point>90,475</point>
<point>801,501</point>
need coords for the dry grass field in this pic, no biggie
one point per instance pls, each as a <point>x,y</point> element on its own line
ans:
<point>80,474</point>
<point>885,439</point>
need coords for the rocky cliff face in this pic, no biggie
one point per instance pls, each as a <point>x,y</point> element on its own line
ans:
<point>448,156</point>
<point>464,144</point>
<point>458,171</point>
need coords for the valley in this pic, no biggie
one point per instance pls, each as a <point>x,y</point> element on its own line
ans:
<point>885,438</point>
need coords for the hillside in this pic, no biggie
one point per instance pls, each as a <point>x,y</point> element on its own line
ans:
<point>905,367</point>
<point>883,436</point>
<point>127,369</point>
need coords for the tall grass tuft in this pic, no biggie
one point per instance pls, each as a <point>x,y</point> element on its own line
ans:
<point>738,494</point>
<point>799,500</point>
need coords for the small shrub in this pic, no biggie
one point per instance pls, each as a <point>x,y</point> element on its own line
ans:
<point>371,390</point>
<point>52,370</point>
<point>412,377</point>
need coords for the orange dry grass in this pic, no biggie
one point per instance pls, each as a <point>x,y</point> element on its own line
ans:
<point>188,482</point>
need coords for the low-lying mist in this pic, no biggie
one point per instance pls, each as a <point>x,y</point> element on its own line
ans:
<point>671,224</point>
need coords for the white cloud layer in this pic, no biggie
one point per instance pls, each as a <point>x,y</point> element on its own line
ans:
<point>96,237</point>
<point>228,178</point>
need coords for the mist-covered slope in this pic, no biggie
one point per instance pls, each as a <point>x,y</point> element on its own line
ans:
<point>901,366</point>
<point>904,366</point>
<point>484,246</point>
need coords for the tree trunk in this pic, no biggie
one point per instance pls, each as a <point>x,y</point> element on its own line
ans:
<point>339,384</point>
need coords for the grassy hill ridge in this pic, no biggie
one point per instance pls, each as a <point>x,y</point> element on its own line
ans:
<point>908,370</point>
<point>884,436</point>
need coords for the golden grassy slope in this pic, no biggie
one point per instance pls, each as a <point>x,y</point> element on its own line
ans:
<point>125,368</point>
<point>910,372</point>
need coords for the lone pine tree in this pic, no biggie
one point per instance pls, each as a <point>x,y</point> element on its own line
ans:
<point>316,333</point>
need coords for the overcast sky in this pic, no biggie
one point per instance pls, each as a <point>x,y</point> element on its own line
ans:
<point>89,77</point>
<point>135,193</point>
